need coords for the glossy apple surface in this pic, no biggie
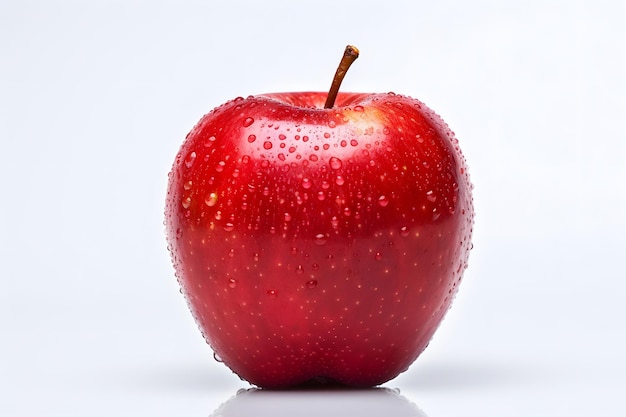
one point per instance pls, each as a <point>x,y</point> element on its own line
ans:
<point>319,244</point>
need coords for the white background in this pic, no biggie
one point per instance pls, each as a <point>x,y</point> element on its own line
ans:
<point>96,97</point>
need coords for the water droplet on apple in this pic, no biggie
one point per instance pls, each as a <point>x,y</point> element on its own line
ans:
<point>256,256</point>
<point>217,358</point>
<point>267,145</point>
<point>311,284</point>
<point>187,185</point>
<point>191,158</point>
<point>211,199</point>
<point>287,217</point>
<point>313,157</point>
<point>335,163</point>
<point>378,256</point>
<point>186,202</point>
<point>306,183</point>
<point>220,166</point>
<point>332,124</point>
<point>232,282</point>
<point>404,231</point>
<point>321,196</point>
<point>320,239</point>
<point>383,201</point>
<point>272,293</point>
<point>179,233</point>
<point>339,180</point>
<point>299,270</point>
<point>251,138</point>
<point>343,143</point>
<point>228,227</point>
<point>354,142</point>
<point>326,135</point>
<point>247,122</point>
<point>209,142</point>
<point>231,253</point>
<point>358,108</point>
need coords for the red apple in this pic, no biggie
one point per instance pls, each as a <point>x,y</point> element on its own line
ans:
<point>319,238</point>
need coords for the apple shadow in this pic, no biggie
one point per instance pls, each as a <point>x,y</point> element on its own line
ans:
<point>422,377</point>
<point>315,402</point>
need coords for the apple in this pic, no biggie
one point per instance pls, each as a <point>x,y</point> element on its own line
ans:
<point>319,237</point>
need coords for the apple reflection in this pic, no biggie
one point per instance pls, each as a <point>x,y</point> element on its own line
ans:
<point>318,402</point>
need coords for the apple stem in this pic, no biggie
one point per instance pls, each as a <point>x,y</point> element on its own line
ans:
<point>349,56</point>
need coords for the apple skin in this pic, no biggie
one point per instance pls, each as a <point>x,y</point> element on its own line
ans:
<point>318,244</point>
